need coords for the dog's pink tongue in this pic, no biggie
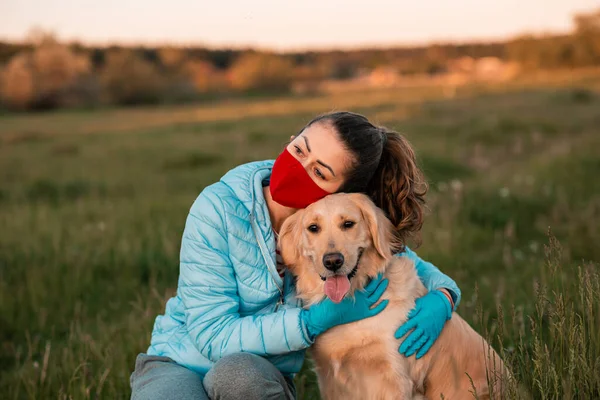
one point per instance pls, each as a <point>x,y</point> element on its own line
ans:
<point>336,287</point>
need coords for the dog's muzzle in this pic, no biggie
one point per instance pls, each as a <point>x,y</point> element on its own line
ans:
<point>334,261</point>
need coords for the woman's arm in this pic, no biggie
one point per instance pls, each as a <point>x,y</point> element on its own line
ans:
<point>208,289</point>
<point>432,277</point>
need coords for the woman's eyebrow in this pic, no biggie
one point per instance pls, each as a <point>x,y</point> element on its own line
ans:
<point>306,141</point>
<point>318,161</point>
<point>326,166</point>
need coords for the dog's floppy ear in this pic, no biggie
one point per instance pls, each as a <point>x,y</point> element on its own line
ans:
<point>382,231</point>
<point>289,237</point>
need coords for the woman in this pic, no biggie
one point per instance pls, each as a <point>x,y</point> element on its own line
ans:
<point>235,329</point>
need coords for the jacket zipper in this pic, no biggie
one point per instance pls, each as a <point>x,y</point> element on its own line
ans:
<point>266,256</point>
<point>268,259</point>
<point>281,295</point>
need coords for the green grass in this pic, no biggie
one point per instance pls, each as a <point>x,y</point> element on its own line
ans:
<point>92,207</point>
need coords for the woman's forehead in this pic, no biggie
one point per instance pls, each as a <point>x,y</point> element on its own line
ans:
<point>326,146</point>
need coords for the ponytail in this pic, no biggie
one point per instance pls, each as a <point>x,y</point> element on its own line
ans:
<point>398,186</point>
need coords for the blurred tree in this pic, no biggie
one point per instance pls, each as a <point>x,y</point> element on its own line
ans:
<point>171,57</point>
<point>587,22</point>
<point>223,59</point>
<point>148,54</point>
<point>129,79</point>
<point>580,49</point>
<point>9,50</point>
<point>56,69</point>
<point>343,69</point>
<point>97,58</point>
<point>587,35</point>
<point>261,71</point>
<point>42,73</point>
<point>17,83</point>
<point>204,76</point>
<point>44,78</point>
<point>38,36</point>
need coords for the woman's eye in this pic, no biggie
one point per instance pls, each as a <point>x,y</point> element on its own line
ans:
<point>349,224</point>
<point>314,228</point>
<point>319,174</point>
<point>298,150</point>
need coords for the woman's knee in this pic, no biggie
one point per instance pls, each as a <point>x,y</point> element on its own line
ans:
<point>161,378</point>
<point>247,376</point>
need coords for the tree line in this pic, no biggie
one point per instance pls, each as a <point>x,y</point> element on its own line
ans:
<point>43,73</point>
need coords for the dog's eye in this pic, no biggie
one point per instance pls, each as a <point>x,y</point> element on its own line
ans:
<point>349,224</point>
<point>314,228</point>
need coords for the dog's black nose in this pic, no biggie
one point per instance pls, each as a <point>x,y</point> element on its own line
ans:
<point>333,261</point>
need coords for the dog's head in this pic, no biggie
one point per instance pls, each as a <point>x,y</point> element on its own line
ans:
<point>335,245</point>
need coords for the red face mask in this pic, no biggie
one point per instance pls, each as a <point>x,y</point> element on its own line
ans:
<point>290,184</point>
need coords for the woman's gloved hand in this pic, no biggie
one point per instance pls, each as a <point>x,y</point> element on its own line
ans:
<point>327,314</point>
<point>426,321</point>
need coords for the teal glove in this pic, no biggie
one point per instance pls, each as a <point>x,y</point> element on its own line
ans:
<point>427,319</point>
<point>327,314</point>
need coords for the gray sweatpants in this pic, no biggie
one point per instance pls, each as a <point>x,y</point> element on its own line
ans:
<point>238,376</point>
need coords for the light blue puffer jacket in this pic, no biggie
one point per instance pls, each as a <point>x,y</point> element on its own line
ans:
<point>230,297</point>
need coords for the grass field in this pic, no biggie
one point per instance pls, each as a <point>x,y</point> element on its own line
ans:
<point>93,204</point>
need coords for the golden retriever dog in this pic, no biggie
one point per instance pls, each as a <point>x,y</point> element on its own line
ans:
<point>361,360</point>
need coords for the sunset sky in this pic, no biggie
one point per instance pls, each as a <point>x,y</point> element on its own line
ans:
<point>285,25</point>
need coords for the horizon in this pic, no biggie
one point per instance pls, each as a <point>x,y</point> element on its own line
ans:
<point>214,47</point>
<point>272,28</point>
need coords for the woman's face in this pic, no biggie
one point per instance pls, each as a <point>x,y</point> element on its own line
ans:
<point>322,155</point>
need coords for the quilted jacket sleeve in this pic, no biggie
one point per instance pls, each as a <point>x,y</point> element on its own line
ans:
<point>208,289</point>
<point>432,277</point>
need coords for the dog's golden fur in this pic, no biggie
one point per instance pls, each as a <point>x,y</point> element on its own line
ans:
<point>361,360</point>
